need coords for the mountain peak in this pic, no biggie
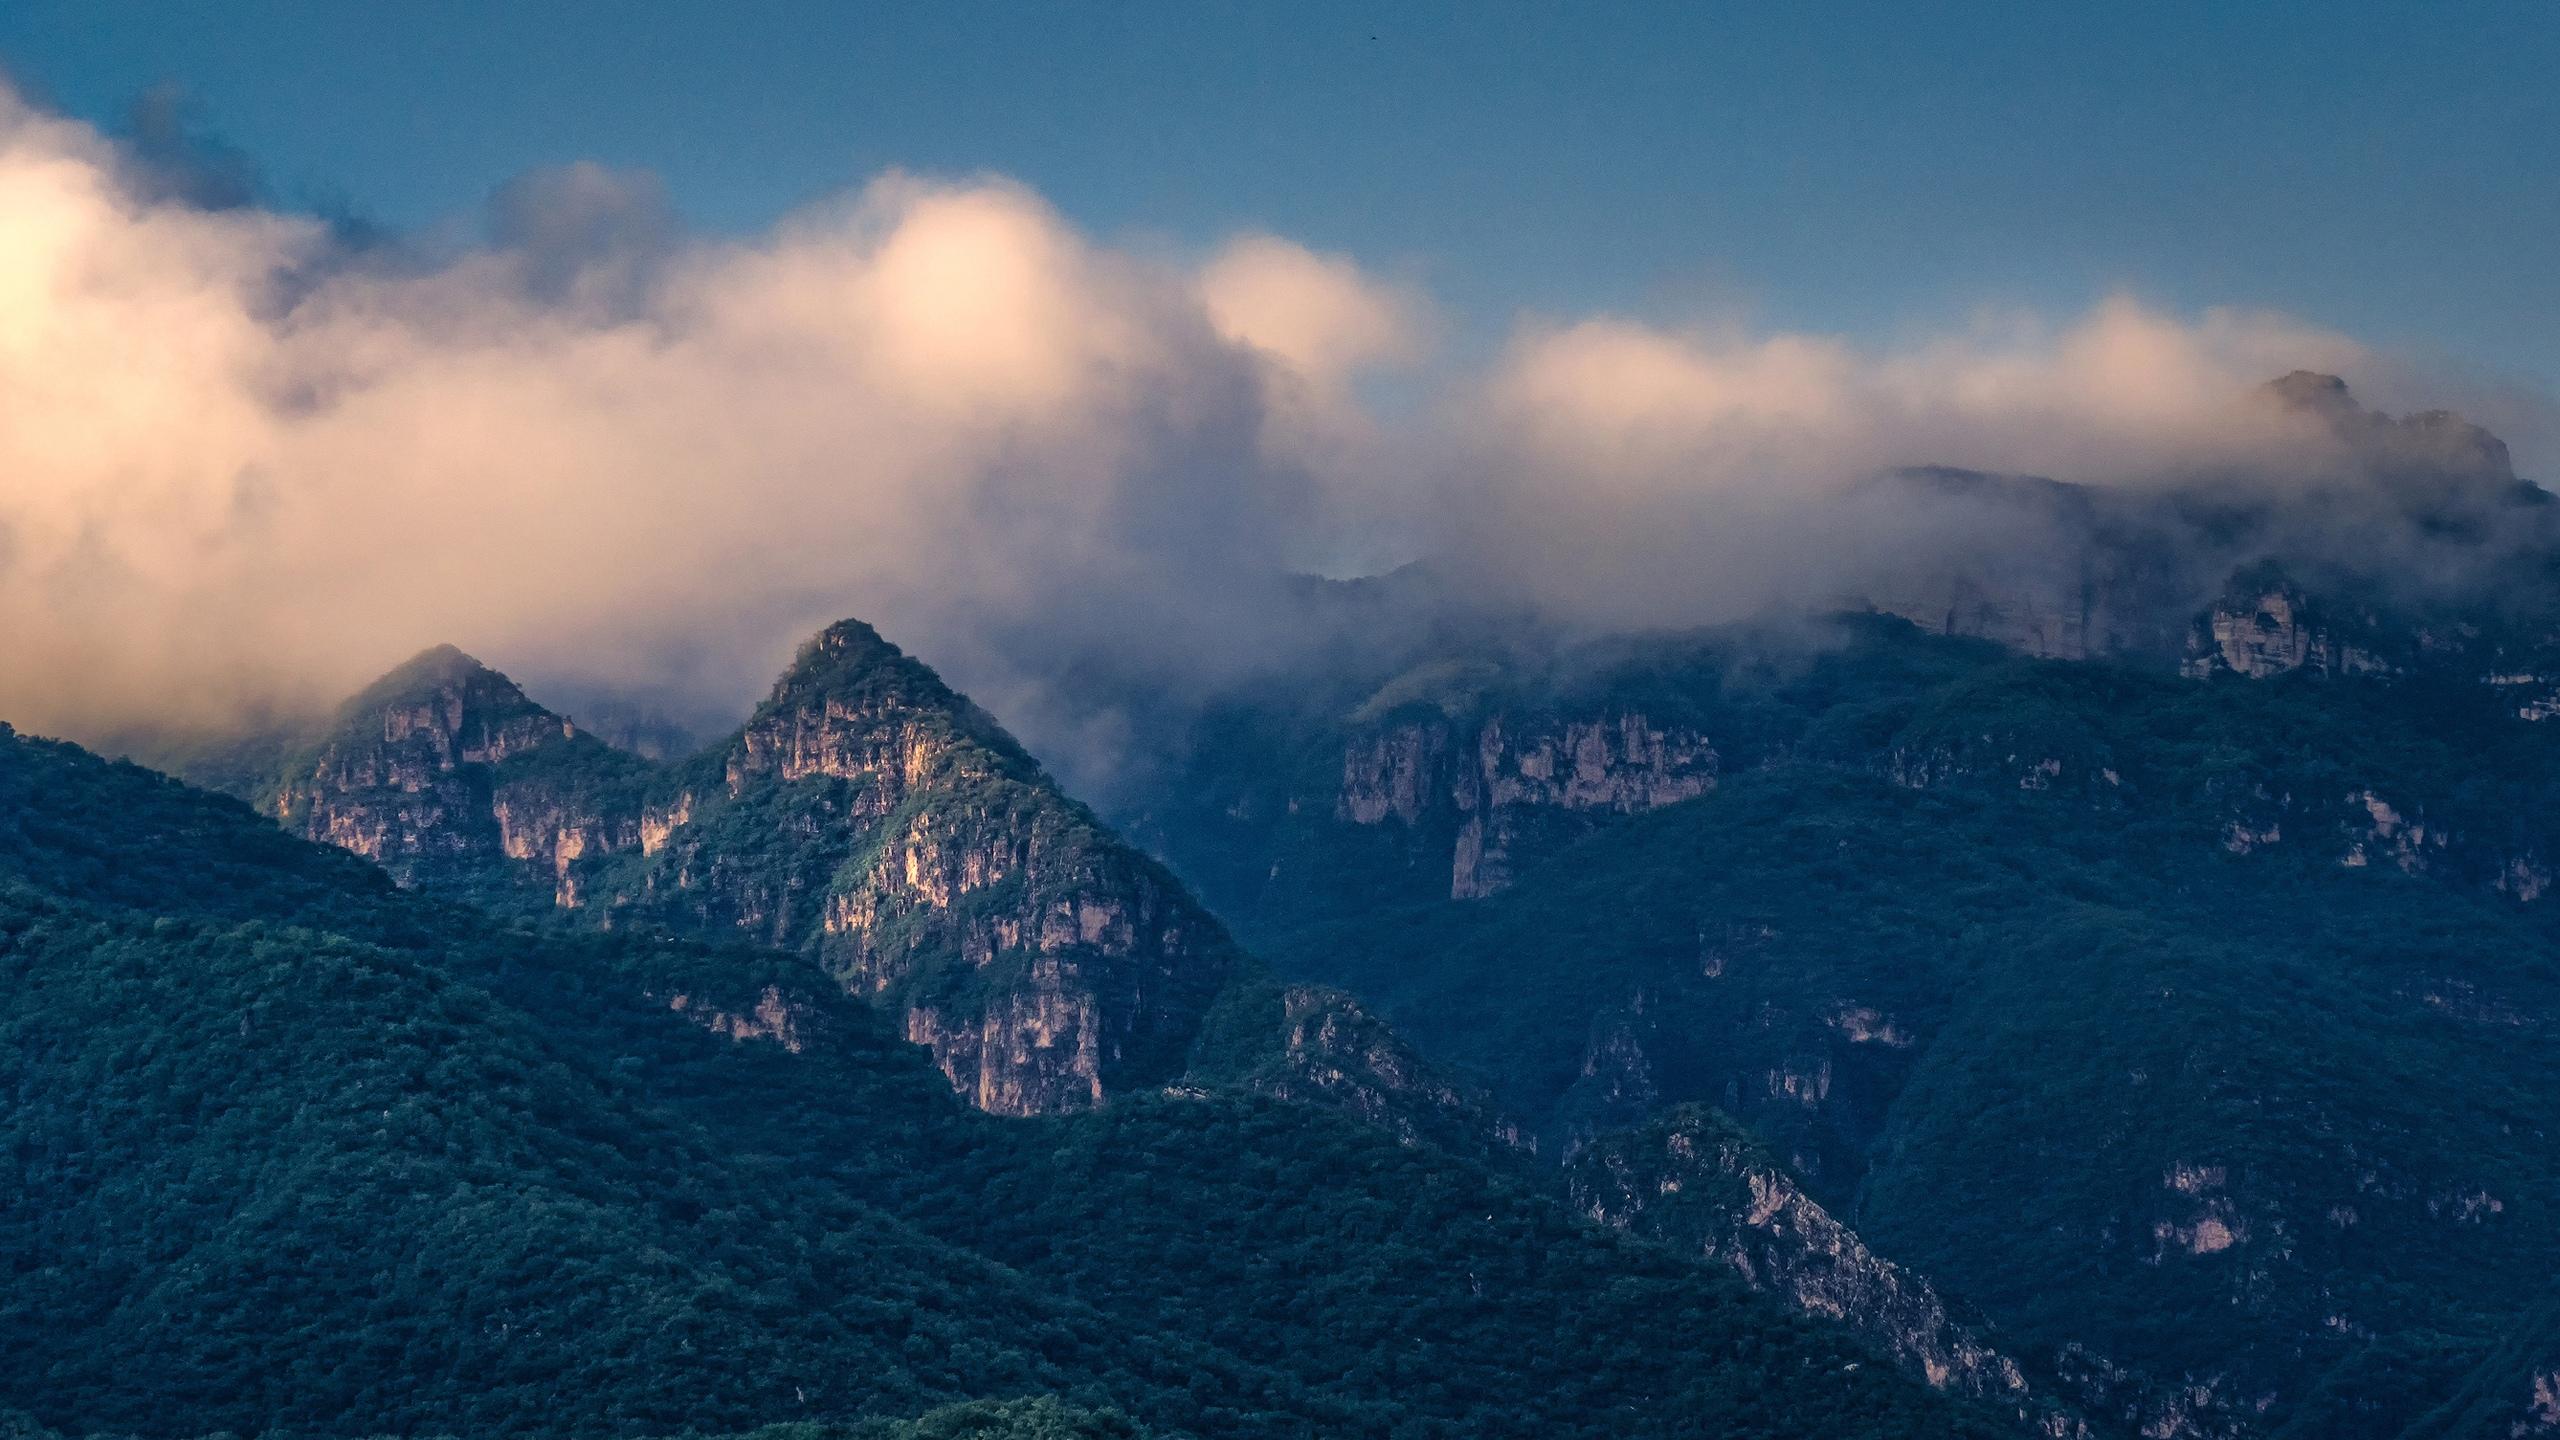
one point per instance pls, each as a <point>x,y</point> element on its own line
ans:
<point>850,634</point>
<point>405,756</point>
<point>446,698</point>
<point>849,666</point>
<point>848,652</point>
<point>2313,391</point>
<point>441,670</point>
<point>2434,446</point>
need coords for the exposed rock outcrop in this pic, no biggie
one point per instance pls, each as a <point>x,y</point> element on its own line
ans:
<point>406,777</point>
<point>1508,778</point>
<point>865,814</point>
<point>774,1017</point>
<point>2271,633</point>
<point>1699,1181</point>
<point>1338,1054</point>
<point>1619,763</point>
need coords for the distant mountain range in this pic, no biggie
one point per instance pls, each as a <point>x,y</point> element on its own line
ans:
<point>2423,551</point>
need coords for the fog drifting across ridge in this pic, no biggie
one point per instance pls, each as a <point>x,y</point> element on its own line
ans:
<point>245,465</point>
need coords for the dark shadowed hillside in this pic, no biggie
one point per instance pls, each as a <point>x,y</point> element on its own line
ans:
<point>291,1149</point>
<point>2199,1036</point>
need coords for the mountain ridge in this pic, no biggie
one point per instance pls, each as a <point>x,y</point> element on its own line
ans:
<point>874,818</point>
<point>291,1148</point>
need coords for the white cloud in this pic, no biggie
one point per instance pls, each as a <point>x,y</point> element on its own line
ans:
<point>935,404</point>
<point>1321,315</point>
<point>240,467</point>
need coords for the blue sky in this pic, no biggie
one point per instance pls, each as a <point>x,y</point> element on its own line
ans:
<point>1867,170</point>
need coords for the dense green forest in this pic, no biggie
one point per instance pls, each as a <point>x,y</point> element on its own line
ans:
<point>2203,1028</point>
<point>290,1151</point>
<point>2195,1039</point>
<point>1040,1418</point>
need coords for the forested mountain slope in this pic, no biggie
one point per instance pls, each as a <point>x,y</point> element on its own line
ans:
<point>2203,1036</point>
<point>290,1149</point>
<point>873,819</point>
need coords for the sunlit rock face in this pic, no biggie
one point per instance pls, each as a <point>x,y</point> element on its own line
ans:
<point>775,1018</point>
<point>1622,763</point>
<point>406,779</point>
<point>871,817</point>
<point>865,814</point>
<point>2270,633</point>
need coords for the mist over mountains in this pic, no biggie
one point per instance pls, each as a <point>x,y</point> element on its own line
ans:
<point>1729,939</point>
<point>1173,722</point>
<point>256,458</point>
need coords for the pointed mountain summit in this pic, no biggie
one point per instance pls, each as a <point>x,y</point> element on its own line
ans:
<point>407,772</point>
<point>872,818</point>
<point>455,708</point>
<point>852,664</point>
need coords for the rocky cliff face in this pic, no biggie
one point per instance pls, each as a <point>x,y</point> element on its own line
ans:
<point>869,816</point>
<point>1044,963</point>
<point>1618,763</point>
<point>775,1018</point>
<point>1697,1180</point>
<point>1509,778</point>
<point>1102,967</point>
<point>2268,633</point>
<point>1337,1054</point>
<point>2541,1406</point>
<point>866,814</point>
<point>1694,1177</point>
<point>408,776</point>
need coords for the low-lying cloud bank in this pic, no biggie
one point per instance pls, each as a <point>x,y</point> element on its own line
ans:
<point>244,464</point>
